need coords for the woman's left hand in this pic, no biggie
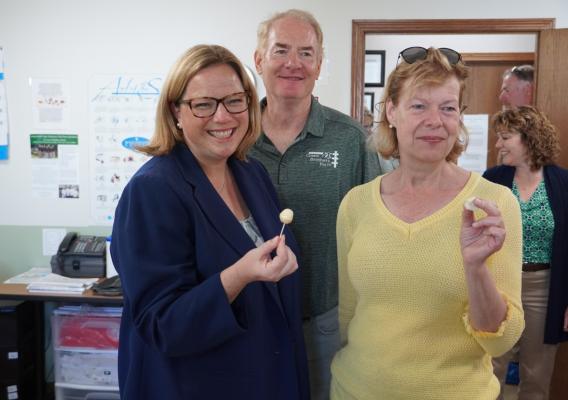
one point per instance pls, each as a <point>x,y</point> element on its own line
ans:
<point>566,320</point>
<point>479,239</point>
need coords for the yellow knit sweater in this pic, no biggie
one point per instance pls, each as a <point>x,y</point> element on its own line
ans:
<point>403,300</point>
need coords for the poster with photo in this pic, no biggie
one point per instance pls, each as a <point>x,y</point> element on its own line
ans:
<point>55,166</point>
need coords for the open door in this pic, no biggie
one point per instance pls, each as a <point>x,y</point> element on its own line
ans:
<point>552,83</point>
<point>551,98</point>
<point>484,84</point>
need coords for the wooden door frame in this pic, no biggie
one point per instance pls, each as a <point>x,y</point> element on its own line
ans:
<point>362,27</point>
<point>518,58</point>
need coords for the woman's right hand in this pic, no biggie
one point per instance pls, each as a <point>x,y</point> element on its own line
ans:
<point>479,239</point>
<point>259,265</point>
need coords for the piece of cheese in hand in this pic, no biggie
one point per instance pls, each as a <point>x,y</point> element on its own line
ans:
<point>469,205</point>
<point>286,216</point>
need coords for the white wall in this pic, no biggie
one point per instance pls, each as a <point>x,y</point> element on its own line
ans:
<point>75,39</point>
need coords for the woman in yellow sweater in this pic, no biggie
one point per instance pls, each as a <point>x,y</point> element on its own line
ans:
<point>429,291</point>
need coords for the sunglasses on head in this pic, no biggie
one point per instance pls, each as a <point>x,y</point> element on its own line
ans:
<point>412,54</point>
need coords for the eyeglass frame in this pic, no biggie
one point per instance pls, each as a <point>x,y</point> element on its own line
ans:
<point>217,102</point>
<point>443,50</point>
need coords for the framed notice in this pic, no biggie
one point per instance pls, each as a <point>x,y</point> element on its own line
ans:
<point>374,68</point>
<point>369,101</point>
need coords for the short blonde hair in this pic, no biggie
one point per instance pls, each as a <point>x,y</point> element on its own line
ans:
<point>537,133</point>
<point>433,70</point>
<point>264,28</point>
<point>194,60</point>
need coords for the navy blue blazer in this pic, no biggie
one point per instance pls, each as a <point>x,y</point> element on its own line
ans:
<point>556,184</point>
<point>180,338</point>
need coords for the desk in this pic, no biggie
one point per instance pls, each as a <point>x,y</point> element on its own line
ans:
<point>18,292</point>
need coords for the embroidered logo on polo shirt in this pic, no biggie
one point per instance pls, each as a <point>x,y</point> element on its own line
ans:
<point>324,158</point>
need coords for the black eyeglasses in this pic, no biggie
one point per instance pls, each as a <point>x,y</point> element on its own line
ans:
<point>205,107</point>
<point>523,72</point>
<point>416,53</point>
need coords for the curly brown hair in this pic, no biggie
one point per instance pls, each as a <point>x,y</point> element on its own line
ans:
<point>537,133</point>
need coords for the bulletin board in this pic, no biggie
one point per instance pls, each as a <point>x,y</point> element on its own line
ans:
<point>80,85</point>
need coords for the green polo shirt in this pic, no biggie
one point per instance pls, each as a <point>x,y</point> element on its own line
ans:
<point>328,158</point>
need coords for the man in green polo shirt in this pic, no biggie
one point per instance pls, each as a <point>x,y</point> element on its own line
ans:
<point>314,155</point>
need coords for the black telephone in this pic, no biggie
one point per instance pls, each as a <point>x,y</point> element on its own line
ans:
<point>80,256</point>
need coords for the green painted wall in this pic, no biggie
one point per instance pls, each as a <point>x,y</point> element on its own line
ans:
<point>21,247</point>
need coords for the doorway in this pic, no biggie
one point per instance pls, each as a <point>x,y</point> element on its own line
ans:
<point>362,28</point>
<point>548,58</point>
<point>484,84</point>
<point>487,57</point>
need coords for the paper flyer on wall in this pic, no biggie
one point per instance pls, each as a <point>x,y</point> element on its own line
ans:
<point>50,104</point>
<point>122,112</point>
<point>55,166</point>
<point>475,157</point>
<point>3,111</point>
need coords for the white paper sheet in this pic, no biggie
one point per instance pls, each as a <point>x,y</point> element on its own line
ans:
<point>51,104</point>
<point>475,157</point>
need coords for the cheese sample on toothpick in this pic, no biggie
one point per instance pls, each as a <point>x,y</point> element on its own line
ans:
<point>286,216</point>
<point>469,205</point>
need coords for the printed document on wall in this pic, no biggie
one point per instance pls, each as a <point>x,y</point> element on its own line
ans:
<point>475,157</point>
<point>3,111</point>
<point>55,166</point>
<point>51,104</point>
<point>122,112</point>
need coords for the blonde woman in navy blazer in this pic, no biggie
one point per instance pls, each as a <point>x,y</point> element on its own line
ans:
<point>211,292</point>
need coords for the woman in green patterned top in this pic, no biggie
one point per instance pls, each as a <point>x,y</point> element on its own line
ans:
<point>528,147</point>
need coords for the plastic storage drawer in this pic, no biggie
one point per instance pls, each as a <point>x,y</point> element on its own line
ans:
<point>85,331</point>
<point>86,367</point>
<point>63,392</point>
